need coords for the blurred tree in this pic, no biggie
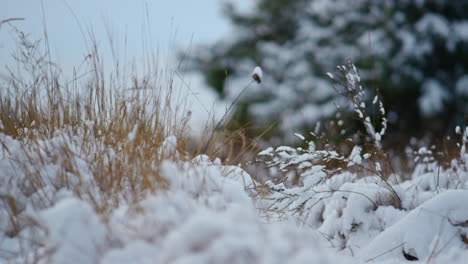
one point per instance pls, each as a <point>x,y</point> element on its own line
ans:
<point>414,51</point>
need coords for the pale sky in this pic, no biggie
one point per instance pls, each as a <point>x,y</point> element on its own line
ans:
<point>173,24</point>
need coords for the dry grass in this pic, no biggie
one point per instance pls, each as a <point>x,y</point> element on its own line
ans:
<point>105,133</point>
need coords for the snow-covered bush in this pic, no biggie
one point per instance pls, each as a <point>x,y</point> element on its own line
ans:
<point>352,197</point>
<point>317,165</point>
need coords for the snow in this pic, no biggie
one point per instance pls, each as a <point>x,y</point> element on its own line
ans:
<point>355,156</point>
<point>137,251</point>
<point>426,230</point>
<point>75,233</point>
<point>236,236</point>
<point>211,213</point>
<point>461,30</point>
<point>434,24</point>
<point>301,137</point>
<point>208,212</point>
<point>131,136</point>
<point>376,98</point>
<point>462,85</point>
<point>433,98</point>
<point>370,217</point>
<point>257,74</point>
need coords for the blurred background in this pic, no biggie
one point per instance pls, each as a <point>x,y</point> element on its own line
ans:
<point>172,25</point>
<point>413,53</point>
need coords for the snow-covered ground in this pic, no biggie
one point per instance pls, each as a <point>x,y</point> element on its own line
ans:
<point>212,213</point>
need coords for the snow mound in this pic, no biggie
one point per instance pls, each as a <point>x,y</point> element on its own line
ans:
<point>75,234</point>
<point>237,236</point>
<point>426,231</point>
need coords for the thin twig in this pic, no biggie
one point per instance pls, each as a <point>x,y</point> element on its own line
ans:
<point>218,125</point>
<point>11,19</point>
<point>232,104</point>
<point>385,252</point>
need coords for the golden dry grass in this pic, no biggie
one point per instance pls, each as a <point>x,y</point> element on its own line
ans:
<point>104,132</point>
